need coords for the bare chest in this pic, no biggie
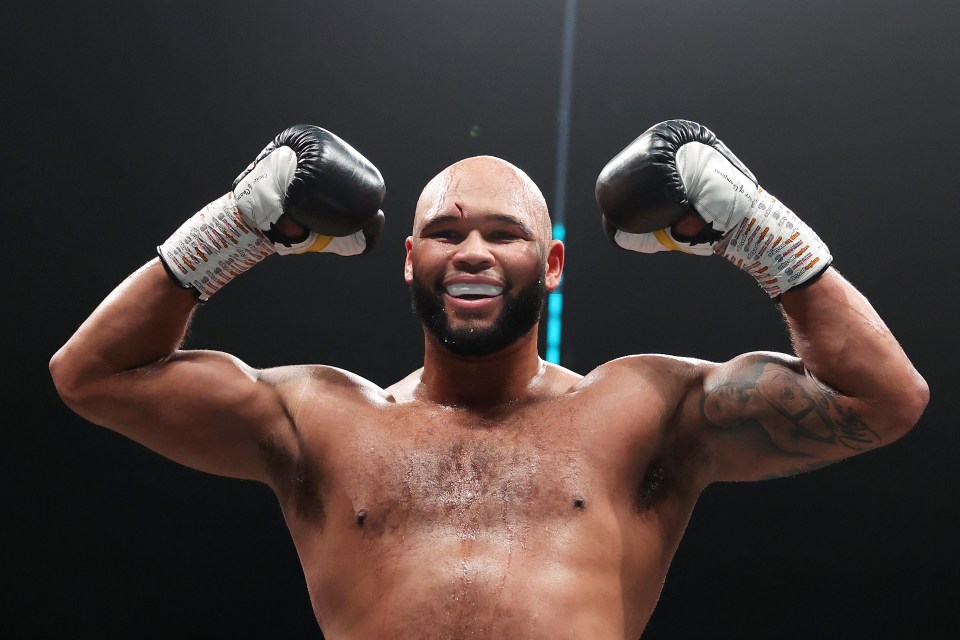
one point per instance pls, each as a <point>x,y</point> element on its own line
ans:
<point>480,521</point>
<point>444,468</point>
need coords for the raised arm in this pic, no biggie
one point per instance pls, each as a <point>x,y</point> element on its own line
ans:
<point>123,369</point>
<point>850,387</point>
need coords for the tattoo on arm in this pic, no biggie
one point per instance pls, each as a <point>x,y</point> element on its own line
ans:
<point>802,417</point>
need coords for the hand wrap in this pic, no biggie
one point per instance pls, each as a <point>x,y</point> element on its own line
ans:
<point>213,247</point>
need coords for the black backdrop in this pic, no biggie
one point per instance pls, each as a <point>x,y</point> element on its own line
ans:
<point>122,118</point>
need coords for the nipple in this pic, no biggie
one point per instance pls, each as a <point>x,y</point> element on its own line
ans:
<point>579,503</point>
<point>361,517</point>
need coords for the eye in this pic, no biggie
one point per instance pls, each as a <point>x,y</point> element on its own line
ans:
<point>504,235</point>
<point>443,234</point>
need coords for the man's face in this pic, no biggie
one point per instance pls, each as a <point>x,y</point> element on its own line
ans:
<point>480,262</point>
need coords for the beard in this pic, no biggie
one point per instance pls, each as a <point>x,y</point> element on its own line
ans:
<point>518,314</point>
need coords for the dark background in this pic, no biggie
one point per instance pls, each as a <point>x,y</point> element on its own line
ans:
<point>123,118</point>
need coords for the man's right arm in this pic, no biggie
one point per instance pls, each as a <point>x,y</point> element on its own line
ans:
<point>123,368</point>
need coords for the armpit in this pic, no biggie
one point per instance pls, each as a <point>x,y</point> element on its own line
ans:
<point>293,479</point>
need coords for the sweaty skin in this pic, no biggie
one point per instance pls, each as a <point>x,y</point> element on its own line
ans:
<point>493,496</point>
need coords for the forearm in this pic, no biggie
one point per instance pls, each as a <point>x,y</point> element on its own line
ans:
<point>845,344</point>
<point>141,322</point>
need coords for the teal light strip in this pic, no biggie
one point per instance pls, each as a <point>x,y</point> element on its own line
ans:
<point>555,308</point>
<point>559,232</point>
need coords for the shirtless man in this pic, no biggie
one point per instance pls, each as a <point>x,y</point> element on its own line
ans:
<point>490,494</point>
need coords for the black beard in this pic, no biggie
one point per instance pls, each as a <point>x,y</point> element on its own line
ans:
<point>519,313</point>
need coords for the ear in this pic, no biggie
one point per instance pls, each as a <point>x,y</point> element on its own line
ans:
<point>554,271</point>
<point>408,261</point>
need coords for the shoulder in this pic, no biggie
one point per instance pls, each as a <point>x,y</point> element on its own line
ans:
<point>649,386</point>
<point>313,380</point>
<point>652,369</point>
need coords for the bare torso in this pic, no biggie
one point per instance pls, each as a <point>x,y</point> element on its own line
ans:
<point>555,516</point>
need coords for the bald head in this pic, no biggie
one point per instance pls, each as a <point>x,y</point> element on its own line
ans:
<point>484,181</point>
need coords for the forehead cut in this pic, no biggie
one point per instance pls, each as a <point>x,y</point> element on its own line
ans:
<point>485,176</point>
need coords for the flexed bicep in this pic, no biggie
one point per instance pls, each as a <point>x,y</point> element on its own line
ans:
<point>765,416</point>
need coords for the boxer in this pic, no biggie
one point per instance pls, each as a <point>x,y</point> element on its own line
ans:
<point>490,494</point>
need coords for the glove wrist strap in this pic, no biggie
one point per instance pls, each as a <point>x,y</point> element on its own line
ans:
<point>213,247</point>
<point>774,246</point>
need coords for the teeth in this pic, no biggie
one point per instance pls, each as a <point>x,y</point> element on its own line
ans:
<point>457,290</point>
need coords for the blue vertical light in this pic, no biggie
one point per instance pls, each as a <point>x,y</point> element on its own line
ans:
<point>555,300</point>
<point>555,308</point>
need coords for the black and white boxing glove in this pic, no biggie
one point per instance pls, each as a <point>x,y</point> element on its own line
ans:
<point>647,189</point>
<point>329,193</point>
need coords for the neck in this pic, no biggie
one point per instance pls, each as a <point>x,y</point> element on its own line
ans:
<point>479,381</point>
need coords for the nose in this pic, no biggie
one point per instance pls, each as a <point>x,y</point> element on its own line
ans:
<point>473,254</point>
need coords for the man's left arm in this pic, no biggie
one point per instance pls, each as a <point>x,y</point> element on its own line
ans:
<point>851,389</point>
<point>850,386</point>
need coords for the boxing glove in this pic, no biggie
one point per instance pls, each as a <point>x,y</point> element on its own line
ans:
<point>677,167</point>
<point>329,193</point>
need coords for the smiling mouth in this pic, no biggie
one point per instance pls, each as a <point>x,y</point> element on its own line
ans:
<point>473,291</point>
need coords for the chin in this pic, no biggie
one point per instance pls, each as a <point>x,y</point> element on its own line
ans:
<point>477,321</point>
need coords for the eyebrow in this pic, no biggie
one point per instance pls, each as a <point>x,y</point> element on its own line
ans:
<point>500,217</point>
